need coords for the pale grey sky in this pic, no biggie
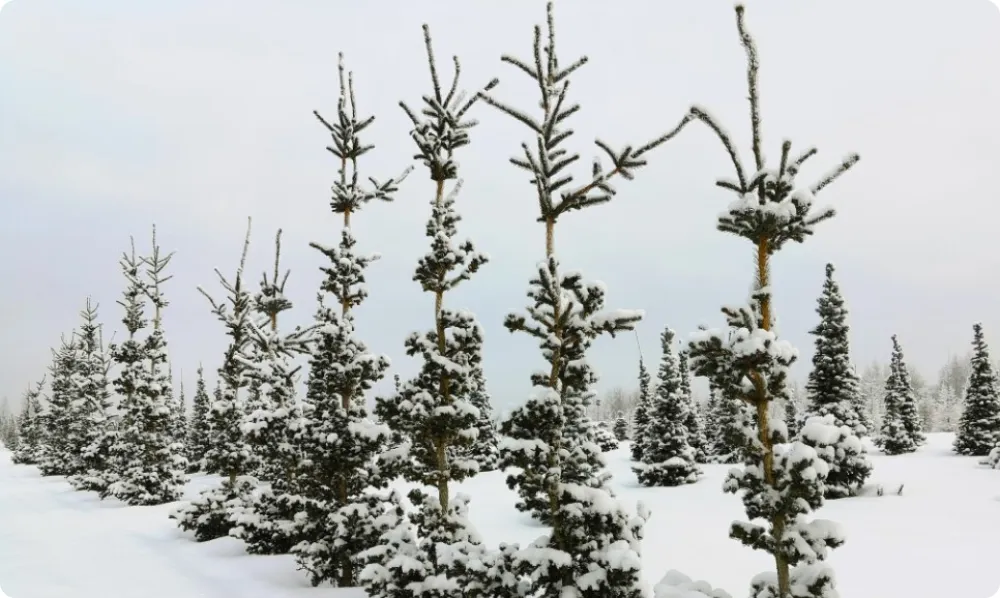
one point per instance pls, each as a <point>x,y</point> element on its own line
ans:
<point>116,114</point>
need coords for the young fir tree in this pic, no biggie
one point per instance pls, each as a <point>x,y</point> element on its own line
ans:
<point>782,483</point>
<point>198,439</point>
<point>694,421</point>
<point>210,516</point>
<point>149,463</point>
<point>833,386</point>
<point>793,418</point>
<point>180,417</point>
<point>29,425</point>
<point>95,392</point>
<point>833,390</point>
<point>900,423</point>
<point>640,419</point>
<point>550,442</point>
<point>342,446</point>
<point>434,412</point>
<point>604,436</point>
<point>621,428</point>
<point>274,422</point>
<point>979,426</point>
<point>668,459</point>
<point>64,430</point>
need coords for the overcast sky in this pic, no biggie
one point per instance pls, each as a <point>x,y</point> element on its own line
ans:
<point>116,114</point>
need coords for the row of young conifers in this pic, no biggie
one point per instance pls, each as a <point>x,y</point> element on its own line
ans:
<point>312,475</point>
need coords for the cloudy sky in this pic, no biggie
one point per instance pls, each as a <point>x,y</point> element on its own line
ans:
<point>116,114</point>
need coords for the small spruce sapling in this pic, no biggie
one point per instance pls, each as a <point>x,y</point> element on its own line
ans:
<point>781,483</point>
<point>63,430</point>
<point>640,419</point>
<point>29,424</point>
<point>668,458</point>
<point>900,423</point>
<point>621,428</point>
<point>549,440</point>
<point>342,446</point>
<point>198,433</point>
<point>979,426</point>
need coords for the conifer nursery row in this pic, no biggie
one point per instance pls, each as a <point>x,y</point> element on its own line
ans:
<point>314,475</point>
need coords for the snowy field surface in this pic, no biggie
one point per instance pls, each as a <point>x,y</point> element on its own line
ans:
<point>937,540</point>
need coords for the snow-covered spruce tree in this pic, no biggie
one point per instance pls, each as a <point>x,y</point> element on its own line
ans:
<point>640,419</point>
<point>833,390</point>
<point>604,436</point>
<point>781,483</point>
<point>64,429</point>
<point>179,421</point>
<point>833,386</point>
<point>10,436</point>
<point>621,428</point>
<point>434,412</point>
<point>485,449</point>
<point>694,422</point>
<point>843,452</point>
<point>793,419</point>
<point>342,445</point>
<point>29,424</point>
<point>979,426</point>
<point>274,423</point>
<point>198,440</point>
<point>728,417</point>
<point>99,404</point>
<point>900,423</point>
<point>668,459</point>
<point>594,544</point>
<point>210,515</point>
<point>149,463</point>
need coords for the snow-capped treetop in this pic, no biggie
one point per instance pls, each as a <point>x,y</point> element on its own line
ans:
<point>439,129</point>
<point>135,290</point>
<point>348,193</point>
<point>270,300</point>
<point>155,265</point>
<point>548,158</point>
<point>770,204</point>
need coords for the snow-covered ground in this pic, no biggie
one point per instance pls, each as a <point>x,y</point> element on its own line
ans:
<point>938,540</point>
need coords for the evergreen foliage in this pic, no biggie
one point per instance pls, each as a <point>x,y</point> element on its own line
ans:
<point>63,429</point>
<point>621,428</point>
<point>549,440</point>
<point>781,483</point>
<point>900,422</point>
<point>198,438</point>
<point>640,419</point>
<point>148,462</point>
<point>693,421</point>
<point>30,426</point>
<point>979,426</point>
<point>604,436</point>
<point>843,453</point>
<point>668,459</point>
<point>342,447</point>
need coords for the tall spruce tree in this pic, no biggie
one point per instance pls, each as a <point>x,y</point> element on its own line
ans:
<point>900,422</point>
<point>551,443</point>
<point>781,483</point>
<point>342,447</point>
<point>274,424</point>
<point>63,430</point>
<point>833,386</point>
<point>979,426</point>
<point>694,422</point>
<point>640,419</point>
<point>30,424</point>
<point>198,439</point>
<point>99,404</point>
<point>435,412</point>
<point>149,462</point>
<point>833,390</point>
<point>668,458</point>
<point>211,514</point>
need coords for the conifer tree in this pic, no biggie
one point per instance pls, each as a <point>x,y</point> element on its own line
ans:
<point>210,516</point>
<point>833,385</point>
<point>640,419</point>
<point>833,390</point>
<point>10,436</point>
<point>180,417</point>
<point>693,421</point>
<point>63,430</point>
<point>621,428</point>
<point>793,419</point>
<point>342,446</point>
<point>485,449</point>
<point>668,459</point>
<point>900,423</point>
<point>148,461</point>
<point>30,426</point>
<point>979,426</point>
<point>551,443</point>
<point>604,436</point>
<point>781,483</point>
<point>274,422</point>
<point>198,439</point>
<point>98,405</point>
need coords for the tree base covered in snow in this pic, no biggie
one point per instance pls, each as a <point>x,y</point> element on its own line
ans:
<point>213,513</point>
